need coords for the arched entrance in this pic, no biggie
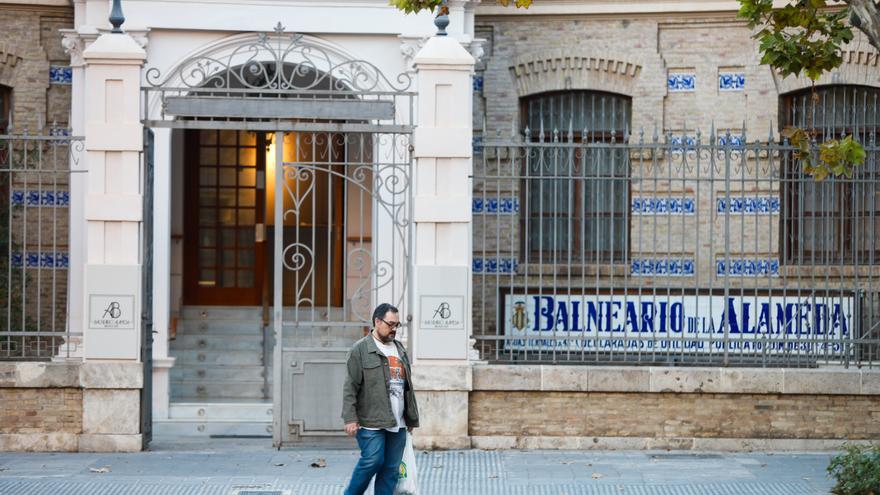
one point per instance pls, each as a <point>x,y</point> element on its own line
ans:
<point>297,201</point>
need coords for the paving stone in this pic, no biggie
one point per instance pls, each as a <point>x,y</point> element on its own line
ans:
<point>233,466</point>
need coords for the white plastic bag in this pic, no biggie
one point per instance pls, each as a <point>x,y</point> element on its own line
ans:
<point>406,483</point>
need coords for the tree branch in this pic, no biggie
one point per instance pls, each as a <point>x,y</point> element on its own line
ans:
<point>866,18</point>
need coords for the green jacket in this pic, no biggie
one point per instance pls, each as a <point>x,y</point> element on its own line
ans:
<point>365,393</point>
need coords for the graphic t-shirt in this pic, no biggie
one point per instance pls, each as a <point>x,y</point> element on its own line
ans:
<point>398,381</point>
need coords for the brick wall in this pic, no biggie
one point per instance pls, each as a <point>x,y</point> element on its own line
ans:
<point>674,415</point>
<point>41,410</point>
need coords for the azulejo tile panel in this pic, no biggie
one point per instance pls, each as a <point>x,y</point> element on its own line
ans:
<point>663,267</point>
<point>44,259</point>
<point>681,82</point>
<point>495,206</point>
<point>39,198</point>
<point>478,83</point>
<point>682,143</point>
<point>60,75</point>
<point>494,265</point>
<point>731,81</point>
<point>761,205</point>
<point>477,142</point>
<point>734,141</point>
<point>747,267</point>
<point>663,206</point>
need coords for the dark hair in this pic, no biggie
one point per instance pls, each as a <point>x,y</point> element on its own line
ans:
<point>381,310</point>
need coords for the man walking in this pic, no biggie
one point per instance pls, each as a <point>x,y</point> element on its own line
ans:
<point>378,403</point>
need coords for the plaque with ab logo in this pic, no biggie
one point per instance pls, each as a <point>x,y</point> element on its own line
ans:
<point>111,311</point>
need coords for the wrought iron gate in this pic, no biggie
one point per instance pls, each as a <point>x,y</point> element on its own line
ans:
<point>338,189</point>
<point>341,241</point>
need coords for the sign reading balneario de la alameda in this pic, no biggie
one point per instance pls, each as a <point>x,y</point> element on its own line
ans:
<point>694,323</point>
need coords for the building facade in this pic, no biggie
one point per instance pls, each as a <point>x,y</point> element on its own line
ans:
<point>636,208</point>
<point>583,211</point>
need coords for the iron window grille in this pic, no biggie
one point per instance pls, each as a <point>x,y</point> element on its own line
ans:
<point>575,197</point>
<point>836,220</point>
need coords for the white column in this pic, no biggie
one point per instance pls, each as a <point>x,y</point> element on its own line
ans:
<point>113,207</point>
<point>162,363</point>
<point>442,254</point>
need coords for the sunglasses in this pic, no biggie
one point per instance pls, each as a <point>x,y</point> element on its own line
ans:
<point>393,325</point>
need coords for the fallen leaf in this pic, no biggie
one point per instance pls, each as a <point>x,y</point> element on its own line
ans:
<point>596,476</point>
<point>319,463</point>
<point>105,469</point>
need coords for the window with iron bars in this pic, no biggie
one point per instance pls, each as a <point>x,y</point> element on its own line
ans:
<point>575,197</point>
<point>836,220</point>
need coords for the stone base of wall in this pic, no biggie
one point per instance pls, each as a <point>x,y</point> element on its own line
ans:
<point>641,443</point>
<point>674,415</point>
<point>70,407</point>
<point>582,407</point>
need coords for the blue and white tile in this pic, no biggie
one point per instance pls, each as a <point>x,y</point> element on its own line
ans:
<point>679,143</point>
<point>747,267</point>
<point>478,84</point>
<point>477,143</point>
<point>46,197</point>
<point>731,81</point>
<point>732,140</point>
<point>504,205</point>
<point>60,75</point>
<point>663,206</point>
<point>44,259</point>
<point>663,267</point>
<point>754,205</point>
<point>681,82</point>
<point>494,265</point>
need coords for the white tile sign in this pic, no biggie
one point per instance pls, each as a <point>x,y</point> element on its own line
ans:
<point>111,311</point>
<point>442,312</point>
<point>760,324</point>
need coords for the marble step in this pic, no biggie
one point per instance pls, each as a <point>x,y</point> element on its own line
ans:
<point>254,328</point>
<point>177,428</point>
<point>256,313</point>
<point>206,357</point>
<point>220,327</point>
<point>219,343</point>
<point>205,390</point>
<point>221,411</point>
<point>215,373</point>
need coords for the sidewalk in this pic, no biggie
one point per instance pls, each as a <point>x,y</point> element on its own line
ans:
<point>226,467</point>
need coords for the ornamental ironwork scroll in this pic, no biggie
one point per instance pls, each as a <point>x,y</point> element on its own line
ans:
<point>278,62</point>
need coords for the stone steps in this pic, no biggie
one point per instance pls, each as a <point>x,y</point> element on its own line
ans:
<point>217,382</point>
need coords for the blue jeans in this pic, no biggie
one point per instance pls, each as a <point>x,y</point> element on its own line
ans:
<point>381,452</point>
